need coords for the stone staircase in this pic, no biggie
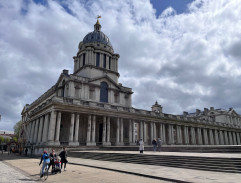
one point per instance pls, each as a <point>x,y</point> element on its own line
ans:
<point>228,165</point>
<point>181,148</point>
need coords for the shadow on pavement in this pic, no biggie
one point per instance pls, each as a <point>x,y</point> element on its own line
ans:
<point>14,156</point>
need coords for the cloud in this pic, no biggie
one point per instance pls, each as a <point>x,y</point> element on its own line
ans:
<point>184,61</point>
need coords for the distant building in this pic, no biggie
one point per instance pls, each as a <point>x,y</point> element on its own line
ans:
<point>91,108</point>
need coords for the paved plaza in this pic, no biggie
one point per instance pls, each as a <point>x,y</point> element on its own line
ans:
<point>20,169</point>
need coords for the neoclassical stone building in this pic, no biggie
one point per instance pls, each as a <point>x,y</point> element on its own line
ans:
<point>91,108</point>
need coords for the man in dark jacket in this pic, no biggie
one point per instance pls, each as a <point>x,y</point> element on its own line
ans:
<point>63,156</point>
<point>154,145</point>
<point>52,156</point>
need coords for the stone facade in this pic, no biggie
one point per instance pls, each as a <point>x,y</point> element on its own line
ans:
<point>90,108</point>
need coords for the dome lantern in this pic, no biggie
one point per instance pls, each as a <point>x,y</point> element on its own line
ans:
<point>97,26</point>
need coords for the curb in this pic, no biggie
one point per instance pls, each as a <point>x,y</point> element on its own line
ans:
<point>132,173</point>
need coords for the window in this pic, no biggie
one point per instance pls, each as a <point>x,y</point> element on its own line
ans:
<point>77,92</point>
<point>103,92</point>
<point>83,59</point>
<point>109,62</point>
<point>104,61</point>
<point>116,97</point>
<point>92,93</point>
<point>97,59</point>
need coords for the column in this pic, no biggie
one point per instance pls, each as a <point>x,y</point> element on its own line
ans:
<point>29,131</point>
<point>216,138</point>
<point>170,134</point>
<point>46,127</point>
<point>93,130</point>
<point>205,135</point>
<point>36,131</point>
<point>130,131</point>
<point>234,138</point>
<point>40,130</point>
<point>141,130</point>
<point>199,134</point>
<point>178,132</point>
<point>76,131</point>
<point>193,136</point>
<point>221,141</point>
<point>57,129</point>
<point>108,132</point>
<point>186,135</point>
<point>133,132</point>
<point>32,131</point>
<point>177,135</point>
<point>154,131</point>
<point>238,138</point>
<point>144,135</point>
<point>226,138</point>
<point>230,138</point>
<point>71,129</point>
<point>164,134</point>
<point>89,130</point>
<point>121,132</point>
<point>52,128</point>
<point>117,131</point>
<point>211,139</point>
<point>104,131</point>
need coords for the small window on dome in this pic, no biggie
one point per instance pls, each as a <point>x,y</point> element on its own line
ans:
<point>97,59</point>
<point>98,44</point>
<point>104,46</point>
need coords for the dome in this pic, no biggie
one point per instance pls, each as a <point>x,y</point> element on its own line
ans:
<point>97,36</point>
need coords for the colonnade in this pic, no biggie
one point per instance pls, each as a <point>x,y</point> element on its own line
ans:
<point>45,130</point>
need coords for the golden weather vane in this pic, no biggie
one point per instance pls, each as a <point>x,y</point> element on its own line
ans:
<point>98,17</point>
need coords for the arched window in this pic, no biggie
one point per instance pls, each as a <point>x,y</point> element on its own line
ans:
<point>104,92</point>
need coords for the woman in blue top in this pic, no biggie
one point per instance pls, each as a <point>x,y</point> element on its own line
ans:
<point>46,161</point>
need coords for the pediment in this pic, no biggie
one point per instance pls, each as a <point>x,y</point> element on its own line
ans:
<point>232,112</point>
<point>25,108</point>
<point>62,77</point>
<point>106,79</point>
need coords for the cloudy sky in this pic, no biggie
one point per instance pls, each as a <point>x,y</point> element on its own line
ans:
<point>183,53</point>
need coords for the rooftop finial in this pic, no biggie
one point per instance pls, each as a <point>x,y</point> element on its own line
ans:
<point>97,25</point>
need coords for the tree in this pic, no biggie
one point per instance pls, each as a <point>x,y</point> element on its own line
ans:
<point>15,139</point>
<point>1,139</point>
<point>17,128</point>
<point>7,140</point>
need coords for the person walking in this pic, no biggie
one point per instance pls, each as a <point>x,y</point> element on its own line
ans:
<point>53,157</point>
<point>45,159</point>
<point>154,144</point>
<point>26,151</point>
<point>63,156</point>
<point>159,144</point>
<point>141,146</point>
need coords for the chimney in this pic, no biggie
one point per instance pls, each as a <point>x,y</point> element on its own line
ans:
<point>205,110</point>
<point>66,71</point>
<point>198,111</point>
<point>185,113</point>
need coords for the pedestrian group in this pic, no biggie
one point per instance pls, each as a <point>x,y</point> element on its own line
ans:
<point>53,161</point>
